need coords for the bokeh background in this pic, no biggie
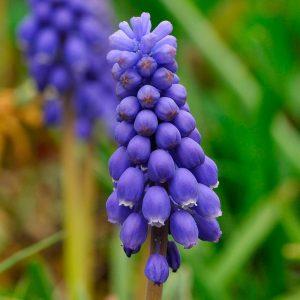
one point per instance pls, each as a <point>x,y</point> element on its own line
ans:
<point>240,62</point>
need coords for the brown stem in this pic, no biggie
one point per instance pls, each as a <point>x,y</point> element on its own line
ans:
<point>158,238</point>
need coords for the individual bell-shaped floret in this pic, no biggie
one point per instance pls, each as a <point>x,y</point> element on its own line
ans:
<point>125,59</point>
<point>116,213</point>
<point>178,93</point>
<point>173,256</point>
<point>124,132</point>
<point>134,231</point>
<point>208,229</point>
<point>161,167</point>
<point>27,32</point>
<point>52,112</point>
<point>162,78</point>
<point>128,108</point>
<point>183,188</point>
<point>184,229</point>
<point>166,109</point>
<point>208,203</point>
<point>156,206</point>
<point>196,136</point>
<point>130,194</point>
<point>46,46</point>
<point>207,173</point>
<point>63,19</point>
<point>164,54</point>
<point>167,136</point>
<point>129,252</point>
<point>76,54</point>
<point>146,122</point>
<point>146,66</point>
<point>120,41</point>
<point>157,269</point>
<point>118,163</point>
<point>185,122</point>
<point>130,79</point>
<point>139,149</point>
<point>189,154</point>
<point>148,95</point>
<point>59,79</point>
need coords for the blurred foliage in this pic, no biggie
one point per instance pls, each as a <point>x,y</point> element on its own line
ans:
<point>240,63</point>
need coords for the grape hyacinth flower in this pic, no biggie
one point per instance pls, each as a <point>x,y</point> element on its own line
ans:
<point>161,174</point>
<point>64,43</point>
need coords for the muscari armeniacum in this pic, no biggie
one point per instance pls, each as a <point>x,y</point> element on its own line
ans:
<point>160,172</point>
<point>64,43</point>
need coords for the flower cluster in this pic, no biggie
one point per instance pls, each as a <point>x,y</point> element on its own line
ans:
<point>161,175</point>
<point>64,42</point>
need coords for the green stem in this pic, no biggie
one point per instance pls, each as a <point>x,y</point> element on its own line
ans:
<point>157,236</point>
<point>31,250</point>
<point>74,216</point>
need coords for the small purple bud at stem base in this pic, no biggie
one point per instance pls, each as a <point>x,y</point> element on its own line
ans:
<point>158,237</point>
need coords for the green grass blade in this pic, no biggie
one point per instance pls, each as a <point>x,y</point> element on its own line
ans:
<point>282,131</point>
<point>250,234</point>
<point>225,62</point>
<point>31,250</point>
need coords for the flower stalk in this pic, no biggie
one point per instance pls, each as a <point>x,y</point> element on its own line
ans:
<point>74,224</point>
<point>158,242</point>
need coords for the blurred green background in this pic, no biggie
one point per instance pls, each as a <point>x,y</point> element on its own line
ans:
<point>240,62</point>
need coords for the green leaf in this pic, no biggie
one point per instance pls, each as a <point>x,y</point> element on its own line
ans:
<point>31,250</point>
<point>250,234</point>
<point>287,139</point>
<point>225,62</point>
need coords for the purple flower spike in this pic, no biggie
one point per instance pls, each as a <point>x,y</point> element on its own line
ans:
<point>146,66</point>
<point>156,206</point>
<point>124,132</point>
<point>207,173</point>
<point>178,93</point>
<point>208,229</point>
<point>162,78</point>
<point>196,136</point>
<point>184,188</point>
<point>165,148</point>
<point>167,136</point>
<point>146,122</point>
<point>184,229</point>
<point>148,96</point>
<point>116,213</point>
<point>157,269</point>
<point>189,154</point>
<point>161,167</point>
<point>173,256</point>
<point>139,149</point>
<point>128,108</point>
<point>118,163</point>
<point>166,109</point>
<point>134,231</point>
<point>64,45</point>
<point>130,194</point>
<point>185,122</point>
<point>208,203</point>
